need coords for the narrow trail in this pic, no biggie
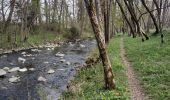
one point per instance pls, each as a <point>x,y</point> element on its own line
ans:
<point>133,82</point>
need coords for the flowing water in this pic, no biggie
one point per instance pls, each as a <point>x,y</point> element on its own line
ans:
<point>29,88</point>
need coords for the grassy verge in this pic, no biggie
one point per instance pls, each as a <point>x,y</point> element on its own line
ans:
<point>35,39</point>
<point>89,82</point>
<point>151,60</point>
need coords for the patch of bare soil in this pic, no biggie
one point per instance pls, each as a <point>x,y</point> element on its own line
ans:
<point>134,85</point>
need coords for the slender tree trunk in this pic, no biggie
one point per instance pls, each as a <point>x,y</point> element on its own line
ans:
<point>152,16</point>
<point>12,4</point>
<point>109,82</point>
<point>125,17</point>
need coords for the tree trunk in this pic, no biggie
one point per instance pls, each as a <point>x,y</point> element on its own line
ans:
<point>152,16</point>
<point>12,4</point>
<point>109,82</point>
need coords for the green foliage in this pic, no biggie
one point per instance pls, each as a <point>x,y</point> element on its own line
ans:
<point>89,82</point>
<point>151,60</point>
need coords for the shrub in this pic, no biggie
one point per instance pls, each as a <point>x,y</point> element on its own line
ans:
<point>73,33</point>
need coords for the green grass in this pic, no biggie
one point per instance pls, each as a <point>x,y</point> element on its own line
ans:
<point>89,82</point>
<point>151,61</point>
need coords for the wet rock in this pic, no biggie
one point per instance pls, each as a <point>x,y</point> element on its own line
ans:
<point>62,60</point>
<point>82,46</point>
<point>48,49</point>
<point>4,56</point>
<point>31,69</point>
<point>28,55</point>
<point>23,53</point>
<point>2,72</point>
<point>21,60</point>
<point>14,79</point>
<point>51,71</point>
<point>6,68</point>
<point>11,63</point>
<point>70,44</point>
<point>46,62</point>
<point>23,70</point>
<point>59,55</point>
<point>35,50</point>
<point>68,63</point>
<point>14,69</point>
<point>42,79</point>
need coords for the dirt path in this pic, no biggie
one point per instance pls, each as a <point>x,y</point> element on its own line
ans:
<point>134,86</point>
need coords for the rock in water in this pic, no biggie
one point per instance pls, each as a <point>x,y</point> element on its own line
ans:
<point>42,79</point>
<point>31,69</point>
<point>51,71</point>
<point>22,70</point>
<point>14,69</point>
<point>14,79</point>
<point>68,63</point>
<point>46,62</point>
<point>48,49</point>
<point>59,55</point>
<point>82,46</point>
<point>21,60</point>
<point>23,53</point>
<point>6,68</point>
<point>62,60</point>
<point>2,72</point>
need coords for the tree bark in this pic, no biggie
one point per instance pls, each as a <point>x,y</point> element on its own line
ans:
<point>109,82</point>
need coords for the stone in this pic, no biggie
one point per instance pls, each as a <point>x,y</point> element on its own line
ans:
<point>82,46</point>
<point>2,72</point>
<point>6,68</point>
<point>21,60</point>
<point>28,55</point>
<point>4,56</point>
<point>48,49</point>
<point>46,62</point>
<point>59,55</point>
<point>62,60</point>
<point>31,69</point>
<point>14,79</point>
<point>23,70</point>
<point>35,50</point>
<point>14,69</point>
<point>23,53</point>
<point>42,79</point>
<point>68,63</point>
<point>51,71</point>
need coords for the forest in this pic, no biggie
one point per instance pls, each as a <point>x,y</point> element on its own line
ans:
<point>84,49</point>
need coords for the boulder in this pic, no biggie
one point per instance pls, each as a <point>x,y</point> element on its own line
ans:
<point>2,72</point>
<point>51,71</point>
<point>42,79</point>
<point>14,69</point>
<point>21,60</point>
<point>23,70</point>
<point>14,79</point>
